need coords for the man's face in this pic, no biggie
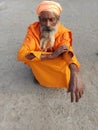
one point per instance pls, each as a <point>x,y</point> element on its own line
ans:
<point>48,20</point>
<point>48,27</point>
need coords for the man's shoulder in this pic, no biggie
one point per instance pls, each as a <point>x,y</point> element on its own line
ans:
<point>34,25</point>
<point>34,29</point>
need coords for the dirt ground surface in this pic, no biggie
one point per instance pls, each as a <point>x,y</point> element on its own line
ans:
<point>24,104</point>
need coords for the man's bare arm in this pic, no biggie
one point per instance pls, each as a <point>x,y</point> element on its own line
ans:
<point>76,88</point>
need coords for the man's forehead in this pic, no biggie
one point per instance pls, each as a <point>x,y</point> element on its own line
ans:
<point>47,14</point>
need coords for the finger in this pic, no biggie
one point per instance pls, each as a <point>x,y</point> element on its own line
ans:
<point>77,96</point>
<point>81,93</point>
<point>69,89</point>
<point>72,96</point>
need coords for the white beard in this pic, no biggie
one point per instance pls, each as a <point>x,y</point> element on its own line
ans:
<point>47,36</point>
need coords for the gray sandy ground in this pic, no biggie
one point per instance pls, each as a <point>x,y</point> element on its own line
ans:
<point>25,105</point>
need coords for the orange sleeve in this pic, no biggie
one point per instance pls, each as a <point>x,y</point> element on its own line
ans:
<point>67,40</point>
<point>23,51</point>
<point>71,59</point>
<point>29,46</point>
<point>63,37</point>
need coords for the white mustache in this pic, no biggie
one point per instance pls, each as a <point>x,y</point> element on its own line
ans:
<point>47,29</point>
<point>47,34</point>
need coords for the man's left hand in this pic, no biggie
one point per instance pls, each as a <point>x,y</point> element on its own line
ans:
<point>75,85</point>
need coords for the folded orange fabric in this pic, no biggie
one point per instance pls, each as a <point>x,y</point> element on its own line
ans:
<point>53,73</point>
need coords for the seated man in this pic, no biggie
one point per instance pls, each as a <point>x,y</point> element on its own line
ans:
<point>47,49</point>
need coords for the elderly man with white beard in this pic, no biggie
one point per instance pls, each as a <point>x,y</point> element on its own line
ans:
<point>47,50</point>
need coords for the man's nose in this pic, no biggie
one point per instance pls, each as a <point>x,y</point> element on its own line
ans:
<point>48,24</point>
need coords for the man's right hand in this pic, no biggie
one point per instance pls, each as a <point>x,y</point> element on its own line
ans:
<point>30,56</point>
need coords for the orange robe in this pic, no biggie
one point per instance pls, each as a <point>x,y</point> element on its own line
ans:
<point>54,73</point>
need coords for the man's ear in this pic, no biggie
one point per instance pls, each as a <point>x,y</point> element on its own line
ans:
<point>58,18</point>
<point>39,18</point>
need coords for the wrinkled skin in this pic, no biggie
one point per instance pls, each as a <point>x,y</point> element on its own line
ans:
<point>75,85</point>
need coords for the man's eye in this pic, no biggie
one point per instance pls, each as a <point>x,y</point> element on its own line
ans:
<point>52,19</point>
<point>43,19</point>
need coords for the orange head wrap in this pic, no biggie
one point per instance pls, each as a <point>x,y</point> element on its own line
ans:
<point>50,6</point>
